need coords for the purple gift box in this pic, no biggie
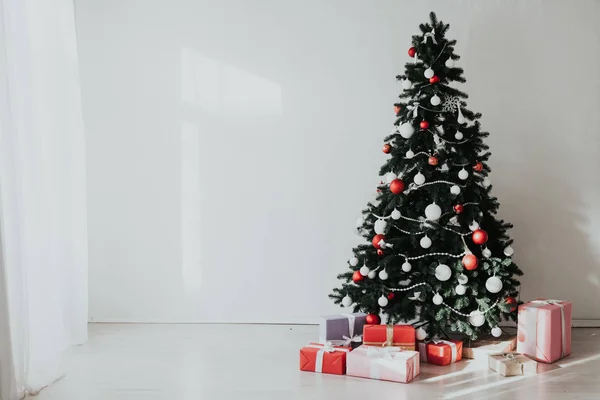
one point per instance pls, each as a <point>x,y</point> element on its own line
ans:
<point>342,329</point>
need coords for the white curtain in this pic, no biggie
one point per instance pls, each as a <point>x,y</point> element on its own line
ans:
<point>43,252</point>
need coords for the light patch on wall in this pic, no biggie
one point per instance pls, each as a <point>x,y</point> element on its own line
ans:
<point>223,89</point>
<point>190,207</point>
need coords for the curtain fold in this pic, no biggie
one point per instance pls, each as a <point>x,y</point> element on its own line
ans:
<point>43,221</point>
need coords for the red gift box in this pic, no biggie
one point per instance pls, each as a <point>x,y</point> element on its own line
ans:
<point>402,336</point>
<point>324,358</point>
<point>441,352</point>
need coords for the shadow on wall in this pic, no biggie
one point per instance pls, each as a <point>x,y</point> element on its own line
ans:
<point>541,150</point>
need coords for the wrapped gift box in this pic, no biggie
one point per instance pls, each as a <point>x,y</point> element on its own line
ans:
<point>512,364</point>
<point>342,329</point>
<point>441,352</point>
<point>324,358</point>
<point>383,363</point>
<point>481,349</point>
<point>544,330</point>
<point>402,336</point>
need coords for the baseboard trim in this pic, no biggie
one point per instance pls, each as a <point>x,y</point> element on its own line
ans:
<point>586,323</point>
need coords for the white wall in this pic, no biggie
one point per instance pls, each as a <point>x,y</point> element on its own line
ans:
<point>232,144</point>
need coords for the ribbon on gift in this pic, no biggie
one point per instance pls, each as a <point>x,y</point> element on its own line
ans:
<point>563,322</point>
<point>380,353</point>
<point>389,336</point>
<point>324,348</point>
<point>389,340</point>
<point>430,35</point>
<point>423,348</point>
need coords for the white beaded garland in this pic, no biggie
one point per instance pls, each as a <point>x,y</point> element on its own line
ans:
<point>455,190</point>
<point>433,212</point>
<point>347,301</point>
<point>428,73</point>
<point>509,251</point>
<point>396,214</point>
<point>493,284</point>
<point>406,130</point>
<point>443,272</point>
<point>382,301</point>
<point>383,275</point>
<point>406,266</point>
<point>463,174</point>
<point>364,270</point>
<point>425,242</point>
<point>437,299</point>
<point>435,100</point>
<point>419,179</point>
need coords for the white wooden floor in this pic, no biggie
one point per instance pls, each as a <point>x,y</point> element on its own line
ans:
<point>209,362</point>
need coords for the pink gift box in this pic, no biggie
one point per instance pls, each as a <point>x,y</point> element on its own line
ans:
<point>544,331</point>
<point>383,363</point>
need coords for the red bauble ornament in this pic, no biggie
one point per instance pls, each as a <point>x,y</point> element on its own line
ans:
<point>458,208</point>
<point>478,167</point>
<point>357,277</point>
<point>377,239</point>
<point>373,319</point>
<point>433,160</point>
<point>387,148</point>
<point>397,186</point>
<point>397,109</point>
<point>479,236</point>
<point>391,296</point>
<point>512,301</point>
<point>379,252</point>
<point>424,124</point>
<point>412,51</point>
<point>434,79</point>
<point>470,262</point>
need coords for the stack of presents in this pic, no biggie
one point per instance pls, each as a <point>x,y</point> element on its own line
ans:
<point>349,346</point>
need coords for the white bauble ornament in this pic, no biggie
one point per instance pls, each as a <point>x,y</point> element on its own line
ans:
<point>364,270</point>
<point>443,272</point>
<point>437,299</point>
<point>486,182</point>
<point>493,284</point>
<point>509,251</point>
<point>487,253</point>
<point>463,174</point>
<point>406,130</point>
<point>410,154</point>
<point>406,84</point>
<point>425,242</point>
<point>449,63</point>
<point>462,279</point>
<point>419,178</point>
<point>435,100</point>
<point>459,135</point>
<point>360,222</point>
<point>383,275</point>
<point>353,261</point>
<point>496,332</point>
<point>372,274</point>
<point>380,226</point>
<point>382,301</point>
<point>390,176</point>
<point>473,226</point>
<point>347,301</point>
<point>476,318</point>
<point>461,118</point>
<point>396,214</point>
<point>420,334</point>
<point>460,289</point>
<point>433,212</point>
<point>455,190</point>
<point>406,266</point>
<point>428,73</point>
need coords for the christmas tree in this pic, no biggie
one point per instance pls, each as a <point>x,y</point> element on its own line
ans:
<point>436,256</point>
